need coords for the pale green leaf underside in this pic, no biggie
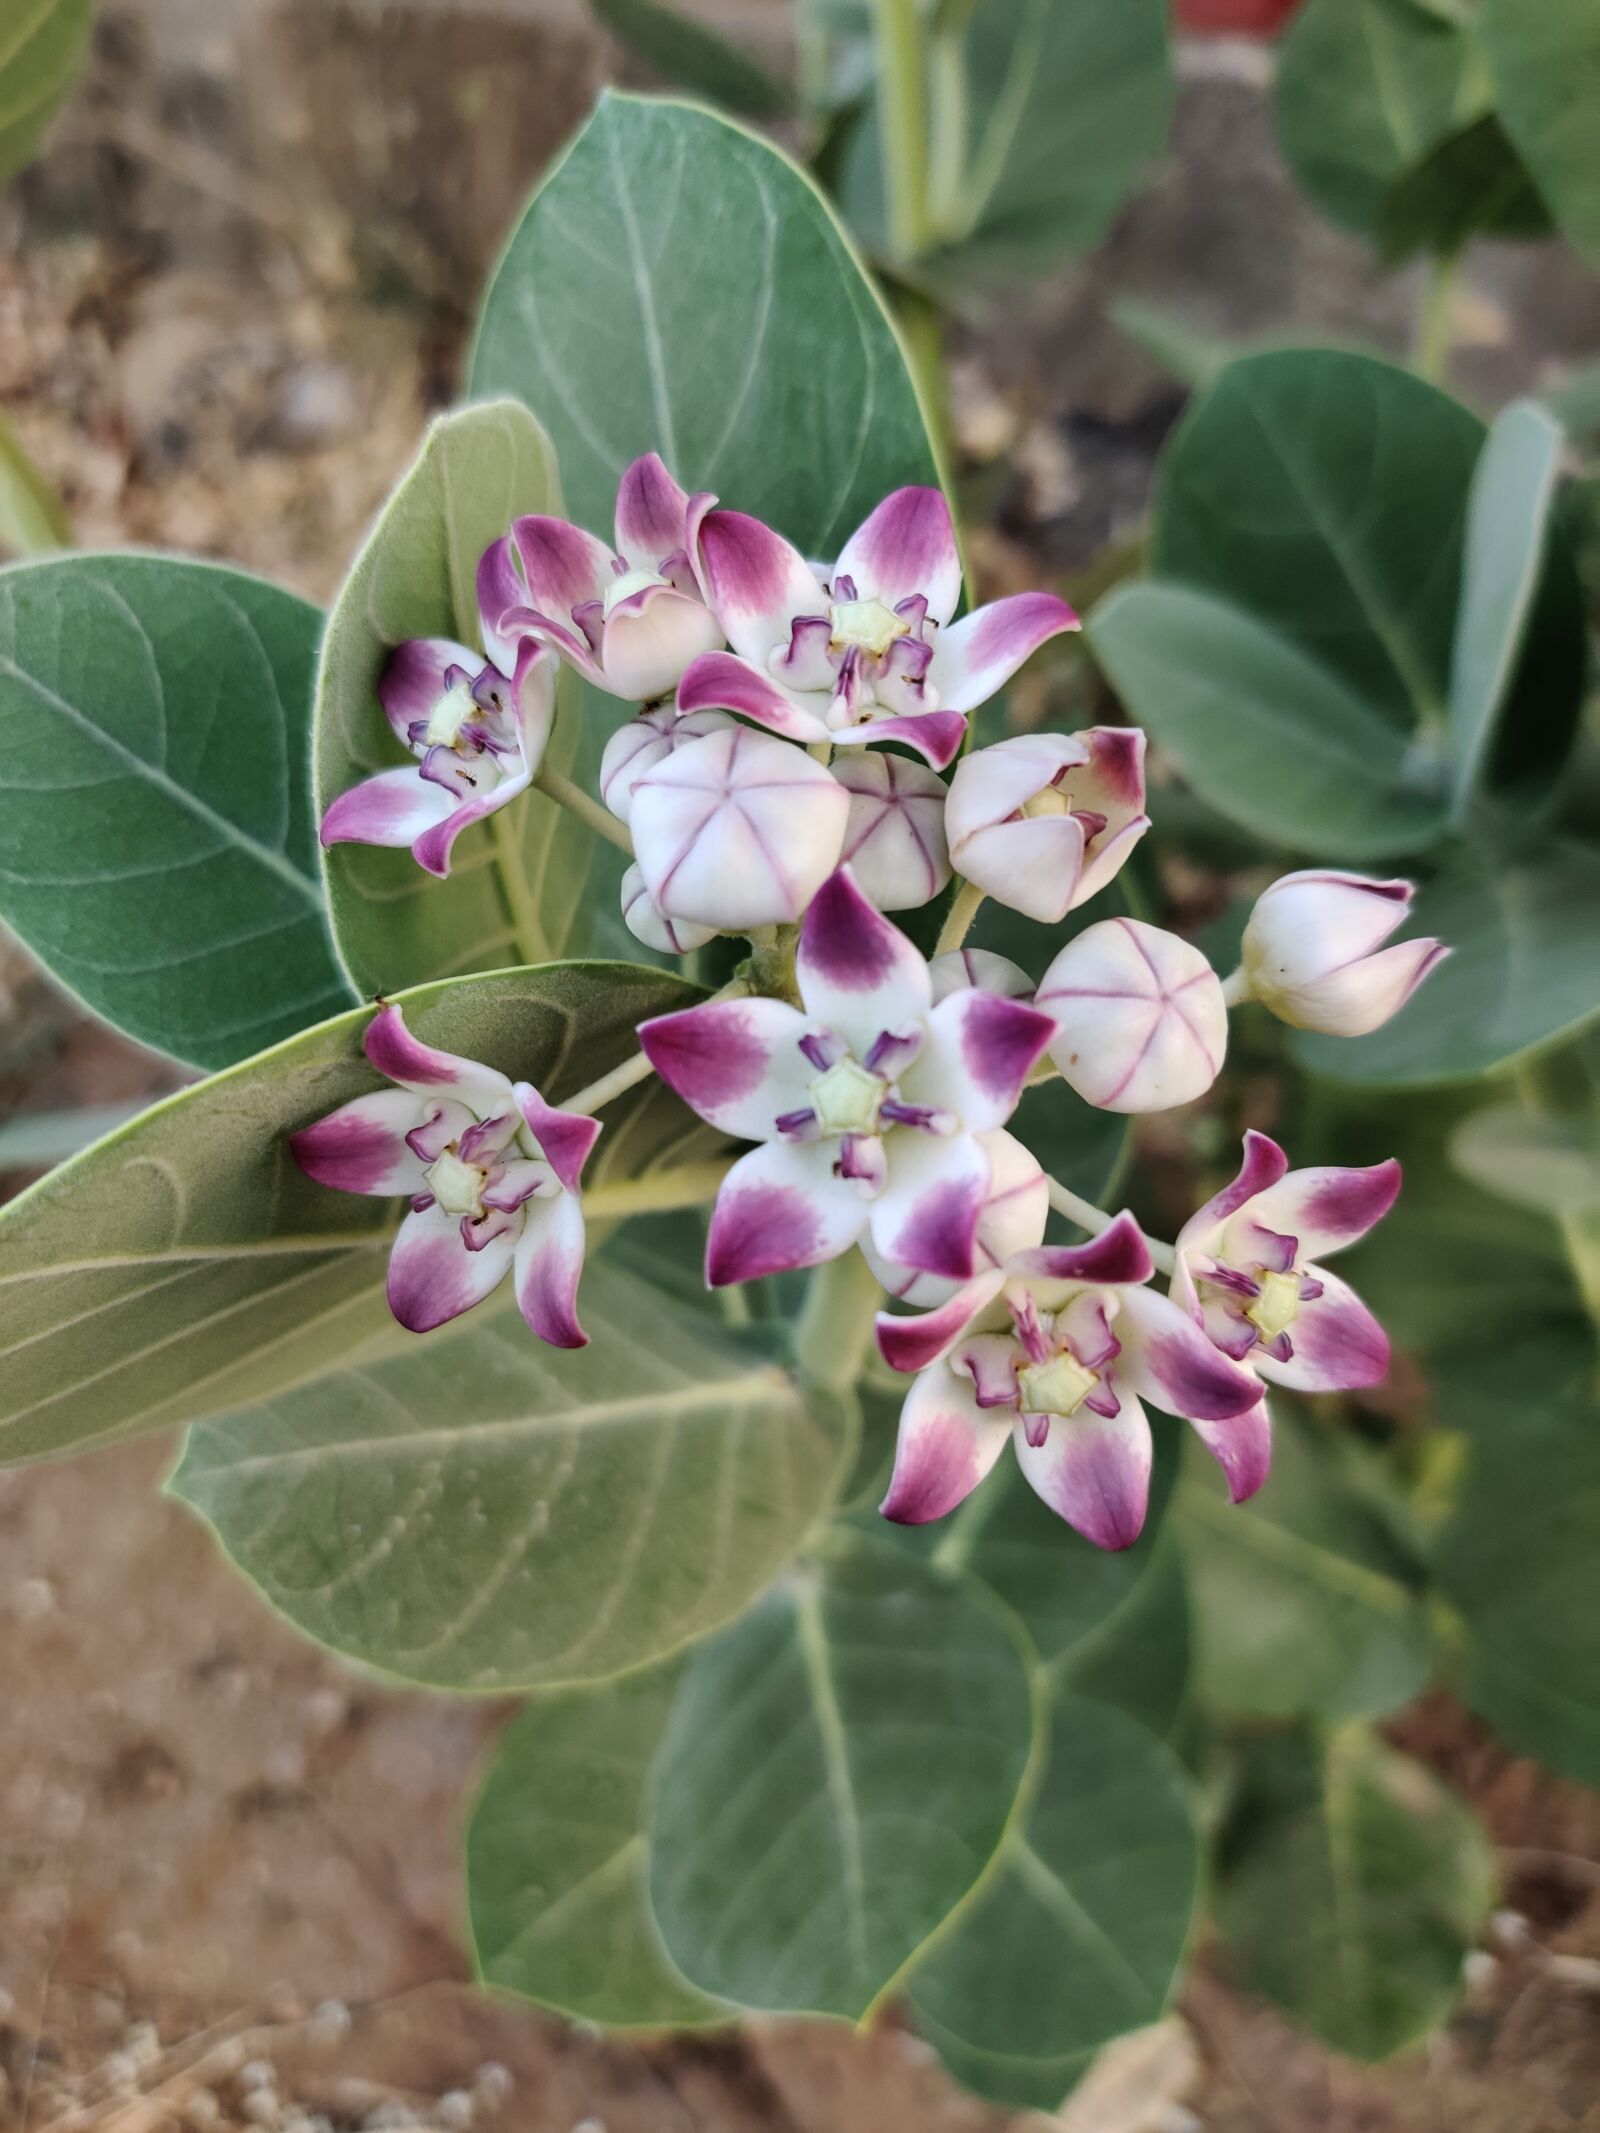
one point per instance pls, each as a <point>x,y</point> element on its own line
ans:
<point>837,1774</point>
<point>677,285</point>
<point>185,1264</point>
<point>43,44</point>
<point>487,1513</point>
<point>158,848</point>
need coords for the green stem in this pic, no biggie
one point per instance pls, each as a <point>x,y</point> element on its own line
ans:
<point>1236,988</point>
<point>958,924</point>
<point>634,1070</point>
<point>835,1328</point>
<point>1436,318</point>
<point>560,788</point>
<point>658,1191</point>
<point>903,105</point>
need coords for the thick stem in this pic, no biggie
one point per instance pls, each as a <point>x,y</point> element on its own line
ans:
<point>560,788</point>
<point>959,922</point>
<point>1436,318</point>
<point>903,107</point>
<point>1095,1220</point>
<point>835,1328</point>
<point>658,1191</point>
<point>1236,988</point>
<point>634,1070</point>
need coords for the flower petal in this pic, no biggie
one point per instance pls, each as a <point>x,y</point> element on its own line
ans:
<point>927,1214</point>
<point>397,1055</point>
<point>913,1343</point>
<point>738,1063</point>
<point>721,681</point>
<point>361,1147</point>
<point>565,1137</point>
<point>1119,1257</point>
<point>934,735</point>
<point>1338,1345</point>
<point>960,967</point>
<point>549,1262</point>
<point>1328,1208</point>
<point>1364,995</point>
<point>1015,1209</point>
<point>1167,1359</point>
<point>857,973</point>
<point>980,1051</point>
<point>394,808</point>
<point>648,644</point>
<point>979,654</point>
<point>500,588</point>
<point>652,512</point>
<point>782,1207</point>
<point>1094,1472</point>
<point>1141,1021</point>
<point>894,836</point>
<point>755,583</point>
<point>432,1275</point>
<point>947,1443</point>
<point>1242,1447</point>
<point>412,680</point>
<point>1263,1165</point>
<point>433,848</point>
<point>907,546</point>
<point>563,565</point>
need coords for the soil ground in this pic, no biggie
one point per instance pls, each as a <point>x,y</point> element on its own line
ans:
<point>229,1888</point>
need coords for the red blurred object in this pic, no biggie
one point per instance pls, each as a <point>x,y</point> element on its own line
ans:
<point>1234,18</point>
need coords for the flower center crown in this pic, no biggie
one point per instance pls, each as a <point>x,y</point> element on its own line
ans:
<point>868,624</point>
<point>457,1186</point>
<point>1274,1311</point>
<point>1058,1387</point>
<point>847,1098</point>
<point>455,709</point>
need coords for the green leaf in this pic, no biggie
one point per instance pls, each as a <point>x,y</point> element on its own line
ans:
<point>32,1140</point>
<point>690,56</point>
<point>159,848</point>
<point>1304,1600</point>
<point>42,50</point>
<point>1549,1164</point>
<point>558,1891</point>
<point>1366,89</point>
<point>1545,61</point>
<point>517,880</point>
<point>1518,1562</point>
<point>1186,351</point>
<point>838,1772</point>
<point>1271,739</point>
<point>1520,977</point>
<point>677,285</point>
<point>1079,1935</point>
<point>487,1513</point>
<point>33,519</point>
<point>185,1264</point>
<point>1473,183</point>
<point>1352,1887</point>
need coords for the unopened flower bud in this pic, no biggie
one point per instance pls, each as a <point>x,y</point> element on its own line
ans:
<point>894,836</point>
<point>1141,1024</point>
<point>670,936</point>
<point>1042,822</point>
<point>964,969</point>
<point>645,741</point>
<point>1313,952</point>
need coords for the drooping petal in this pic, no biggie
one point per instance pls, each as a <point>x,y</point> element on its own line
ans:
<point>500,588</point>
<point>433,848</point>
<point>1327,1208</point>
<point>564,567</point>
<point>857,973</point>
<point>1015,1209</point>
<point>1338,1345</point>
<point>1263,1165</point>
<point>549,1263</point>
<point>652,512</point>
<point>980,1051</point>
<point>650,640</point>
<point>1093,1471</point>
<point>565,1137</point>
<point>1242,1447</point>
<point>394,808</point>
<point>413,680</point>
<point>399,1057</point>
<point>927,1214</point>
<point>906,546</point>
<point>961,967</point>
<point>934,735</point>
<point>947,1443</point>
<point>1032,866</point>
<point>738,1063</point>
<point>1140,1018</point>
<point>362,1147</point>
<point>913,1343</point>
<point>756,583</point>
<point>533,699</point>
<point>1119,1257</point>
<point>894,842</point>
<point>781,1207</point>
<point>979,654</point>
<point>722,681</point>
<point>1167,1359</point>
<point>434,1277</point>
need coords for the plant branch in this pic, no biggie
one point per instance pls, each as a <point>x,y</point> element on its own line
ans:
<point>1095,1220</point>
<point>658,1191</point>
<point>1436,318</point>
<point>835,1328</point>
<point>557,786</point>
<point>634,1070</point>
<point>959,922</point>
<point>903,105</point>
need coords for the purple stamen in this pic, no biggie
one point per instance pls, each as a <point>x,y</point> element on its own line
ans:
<point>1036,1428</point>
<point>822,1049</point>
<point>926,1118</point>
<point>1025,1317</point>
<point>892,1051</point>
<point>1309,1290</point>
<point>797,1125</point>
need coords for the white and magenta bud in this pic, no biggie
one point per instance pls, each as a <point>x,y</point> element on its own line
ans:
<point>1313,952</point>
<point>736,830</point>
<point>669,936</point>
<point>492,1171</point>
<point>1044,821</point>
<point>894,834</point>
<point>1015,1209</point>
<point>961,968</point>
<point>1141,1023</point>
<point>645,741</point>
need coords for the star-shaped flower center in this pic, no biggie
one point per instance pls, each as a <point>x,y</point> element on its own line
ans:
<point>847,1099</point>
<point>1057,1387</point>
<point>1274,1311</point>
<point>456,1185</point>
<point>868,625</point>
<point>454,710</point>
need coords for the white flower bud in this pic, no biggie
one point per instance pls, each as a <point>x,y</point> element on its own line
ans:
<point>1140,1018</point>
<point>737,829</point>
<point>1042,822</point>
<point>894,835</point>
<point>1313,952</point>
<point>645,741</point>
<point>671,936</point>
<point>961,969</point>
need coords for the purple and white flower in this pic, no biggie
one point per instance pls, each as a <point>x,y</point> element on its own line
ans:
<point>1313,952</point>
<point>479,731</point>
<point>492,1171</point>
<point>1141,1023</point>
<point>1015,1209</point>
<point>1055,1351</point>
<point>871,655</point>
<point>1044,821</point>
<point>736,830</point>
<point>894,841</point>
<point>630,619</point>
<point>645,741</point>
<point>869,1100</point>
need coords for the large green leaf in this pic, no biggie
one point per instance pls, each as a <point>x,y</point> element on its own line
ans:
<point>158,852</point>
<point>1352,1886</point>
<point>687,54</point>
<point>1549,1164</point>
<point>677,285</point>
<point>837,1775</point>
<point>1273,740</point>
<point>1545,60</point>
<point>1080,1933</point>
<point>1520,977</point>
<point>558,1879</point>
<point>487,1513</point>
<point>1472,184</point>
<point>43,44</point>
<point>517,880</point>
<point>1518,1560</point>
<point>1304,1599</point>
<point>185,1264</point>
<point>1366,88</point>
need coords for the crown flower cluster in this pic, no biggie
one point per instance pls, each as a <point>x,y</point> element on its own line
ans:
<point>800,764</point>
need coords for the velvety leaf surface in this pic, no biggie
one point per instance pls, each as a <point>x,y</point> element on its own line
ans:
<point>557,1868</point>
<point>837,1773</point>
<point>1351,1887</point>
<point>158,843</point>
<point>516,881</point>
<point>186,1264</point>
<point>677,285</point>
<point>488,1513</point>
<point>1545,61</point>
<point>1079,1935</point>
<point>43,44</point>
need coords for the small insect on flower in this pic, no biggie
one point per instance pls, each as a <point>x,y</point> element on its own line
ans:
<point>1313,952</point>
<point>493,1173</point>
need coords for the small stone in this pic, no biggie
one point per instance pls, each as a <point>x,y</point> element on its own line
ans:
<point>201,2108</point>
<point>492,2084</point>
<point>328,2023</point>
<point>454,2110</point>
<point>258,2074</point>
